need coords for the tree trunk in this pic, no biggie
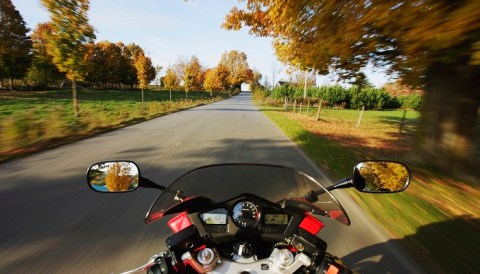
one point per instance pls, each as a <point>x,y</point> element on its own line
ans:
<point>449,117</point>
<point>74,97</point>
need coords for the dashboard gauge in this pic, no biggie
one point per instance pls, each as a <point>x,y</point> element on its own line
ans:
<point>214,217</point>
<point>245,214</point>
<point>276,219</point>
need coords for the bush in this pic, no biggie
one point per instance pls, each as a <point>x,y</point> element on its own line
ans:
<point>350,98</point>
<point>284,90</point>
<point>372,98</point>
<point>412,101</point>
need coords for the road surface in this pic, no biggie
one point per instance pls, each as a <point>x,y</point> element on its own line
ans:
<point>51,222</point>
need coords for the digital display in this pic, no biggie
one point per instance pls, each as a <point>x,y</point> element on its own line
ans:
<point>276,219</point>
<point>211,218</point>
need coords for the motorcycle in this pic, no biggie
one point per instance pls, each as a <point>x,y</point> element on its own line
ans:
<point>246,218</point>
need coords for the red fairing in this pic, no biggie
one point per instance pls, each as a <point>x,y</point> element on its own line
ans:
<point>311,224</point>
<point>179,222</point>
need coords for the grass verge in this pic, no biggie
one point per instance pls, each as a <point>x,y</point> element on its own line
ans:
<point>436,219</point>
<point>34,121</point>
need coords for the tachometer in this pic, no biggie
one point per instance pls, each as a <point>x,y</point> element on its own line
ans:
<point>245,214</point>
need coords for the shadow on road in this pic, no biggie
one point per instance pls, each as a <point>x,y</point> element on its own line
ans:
<point>447,244</point>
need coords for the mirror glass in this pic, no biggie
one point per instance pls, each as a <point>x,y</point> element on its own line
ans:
<point>113,176</point>
<point>380,176</point>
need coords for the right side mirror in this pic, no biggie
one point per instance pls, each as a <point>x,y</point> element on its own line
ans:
<point>380,176</point>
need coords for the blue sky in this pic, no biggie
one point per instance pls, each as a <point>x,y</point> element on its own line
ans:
<point>168,29</point>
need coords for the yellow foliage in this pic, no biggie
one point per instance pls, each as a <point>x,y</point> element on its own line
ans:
<point>346,36</point>
<point>118,178</point>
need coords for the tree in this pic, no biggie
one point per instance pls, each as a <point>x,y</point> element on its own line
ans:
<point>118,178</point>
<point>128,73</point>
<point>95,68</point>
<point>216,79</point>
<point>193,75</point>
<point>255,84</point>
<point>170,80</point>
<point>42,71</point>
<point>143,64</point>
<point>15,45</point>
<point>112,55</point>
<point>237,66</point>
<point>434,43</point>
<point>70,32</point>
<point>179,69</point>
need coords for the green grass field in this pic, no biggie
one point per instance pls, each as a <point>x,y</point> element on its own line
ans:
<point>31,121</point>
<point>437,218</point>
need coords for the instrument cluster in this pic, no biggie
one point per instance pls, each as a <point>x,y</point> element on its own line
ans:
<point>245,213</point>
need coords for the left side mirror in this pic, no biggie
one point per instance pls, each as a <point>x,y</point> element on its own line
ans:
<point>121,176</point>
<point>380,177</point>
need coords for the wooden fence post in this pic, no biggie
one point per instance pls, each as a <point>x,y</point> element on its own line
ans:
<point>360,117</point>
<point>295,105</point>
<point>300,111</point>
<point>308,106</point>
<point>402,122</point>
<point>319,108</point>
<point>286,102</point>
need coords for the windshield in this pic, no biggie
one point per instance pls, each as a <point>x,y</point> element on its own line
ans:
<point>221,182</point>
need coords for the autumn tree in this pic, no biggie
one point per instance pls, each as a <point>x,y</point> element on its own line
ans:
<point>179,69</point>
<point>110,55</point>
<point>193,75</point>
<point>170,80</point>
<point>15,44</point>
<point>434,43</point>
<point>216,79</point>
<point>144,68</point>
<point>128,72</point>
<point>256,78</point>
<point>384,176</point>
<point>42,71</point>
<point>238,70</point>
<point>96,67</point>
<point>118,178</point>
<point>70,32</point>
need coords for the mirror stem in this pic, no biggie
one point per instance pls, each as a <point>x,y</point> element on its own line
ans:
<point>344,183</point>
<point>146,183</point>
<point>312,196</point>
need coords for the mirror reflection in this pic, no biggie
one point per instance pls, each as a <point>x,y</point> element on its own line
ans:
<point>113,176</point>
<point>380,176</point>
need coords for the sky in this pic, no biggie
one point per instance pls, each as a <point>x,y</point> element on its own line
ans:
<point>169,29</point>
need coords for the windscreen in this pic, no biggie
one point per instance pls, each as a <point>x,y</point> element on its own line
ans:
<point>221,182</point>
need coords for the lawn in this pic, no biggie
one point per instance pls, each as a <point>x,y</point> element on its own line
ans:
<point>437,218</point>
<point>36,120</point>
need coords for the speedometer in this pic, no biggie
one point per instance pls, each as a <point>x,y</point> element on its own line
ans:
<point>245,214</point>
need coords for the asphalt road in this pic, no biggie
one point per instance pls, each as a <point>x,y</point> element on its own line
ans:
<point>51,222</point>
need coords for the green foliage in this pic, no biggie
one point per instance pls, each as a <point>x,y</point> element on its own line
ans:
<point>412,101</point>
<point>350,98</point>
<point>372,98</point>
<point>336,95</point>
<point>279,92</point>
